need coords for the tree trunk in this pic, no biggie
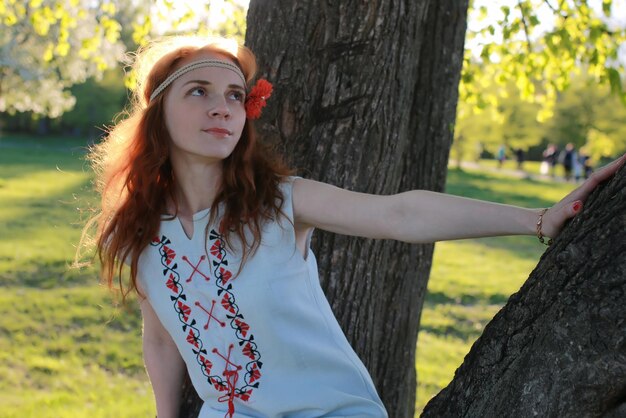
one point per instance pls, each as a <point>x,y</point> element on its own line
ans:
<point>365,98</point>
<point>558,348</point>
<point>191,402</point>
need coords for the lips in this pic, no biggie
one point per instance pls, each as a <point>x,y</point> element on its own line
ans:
<point>218,131</point>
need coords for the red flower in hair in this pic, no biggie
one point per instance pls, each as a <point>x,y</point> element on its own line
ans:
<point>257,98</point>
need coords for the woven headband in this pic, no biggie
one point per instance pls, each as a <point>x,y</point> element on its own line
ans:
<point>193,66</point>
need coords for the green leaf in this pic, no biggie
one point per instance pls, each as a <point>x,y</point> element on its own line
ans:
<point>506,10</point>
<point>614,80</point>
<point>534,20</point>
<point>485,54</point>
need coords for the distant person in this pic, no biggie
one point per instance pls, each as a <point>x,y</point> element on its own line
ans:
<point>567,159</point>
<point>501,156</point>
<point>214,230</point>
<point>549,162</point>
<point>479,152</point>
<point>519,158</point>
<point>578,166</point>
<point>585,162</point>
<point>554,162</point>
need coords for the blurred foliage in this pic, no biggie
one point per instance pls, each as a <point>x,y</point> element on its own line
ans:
<point>76,85</point>
<point>218,17</point>
<point>46,46</point>
<point>520,59</point>
<point>509,121</point>
<point>591,118</point>
<point>540,45</point>
<point>586,114</point>
<point>98,104</point>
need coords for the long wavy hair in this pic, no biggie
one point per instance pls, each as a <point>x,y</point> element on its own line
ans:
<point>134,174</point>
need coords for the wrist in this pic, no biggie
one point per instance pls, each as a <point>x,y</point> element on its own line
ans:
<point>539,228</point>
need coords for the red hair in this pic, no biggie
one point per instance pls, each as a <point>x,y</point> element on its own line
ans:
<point>134,173</point>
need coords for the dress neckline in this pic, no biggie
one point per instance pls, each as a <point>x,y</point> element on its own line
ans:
<point>198,216</point>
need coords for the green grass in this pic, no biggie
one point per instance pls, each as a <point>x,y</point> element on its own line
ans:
<point>65,351</point>
<point>531,167</point>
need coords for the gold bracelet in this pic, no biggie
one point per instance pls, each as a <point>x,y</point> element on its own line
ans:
<point>539,231</point>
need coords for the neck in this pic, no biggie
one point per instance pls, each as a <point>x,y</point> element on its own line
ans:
<point>197,185</point>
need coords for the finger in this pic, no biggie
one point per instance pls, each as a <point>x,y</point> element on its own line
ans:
<point>575,207</point>
<point>571,209</point>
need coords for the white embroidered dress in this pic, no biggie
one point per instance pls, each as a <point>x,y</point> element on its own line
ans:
<point>264,343</point>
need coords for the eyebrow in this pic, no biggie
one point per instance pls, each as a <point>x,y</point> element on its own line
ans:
<point>206,83</point>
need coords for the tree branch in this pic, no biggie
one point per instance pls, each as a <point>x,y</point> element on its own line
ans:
<point>556,10</point>
<point>529,45</point>
<point>547,2</point>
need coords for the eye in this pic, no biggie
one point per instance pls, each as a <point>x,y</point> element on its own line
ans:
<point>237,95</point>
<point>197,91</point>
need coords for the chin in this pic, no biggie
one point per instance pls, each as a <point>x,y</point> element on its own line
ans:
<point>218,154</point>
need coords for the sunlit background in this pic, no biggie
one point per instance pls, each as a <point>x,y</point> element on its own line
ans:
<point>67,351</point>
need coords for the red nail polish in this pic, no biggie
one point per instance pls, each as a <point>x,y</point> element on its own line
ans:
<point>577,206</point>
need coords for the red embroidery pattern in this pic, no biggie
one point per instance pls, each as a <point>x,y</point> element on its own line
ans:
<point>245,339</point>
<point>225,383</point>
<point>210,313</point>
<point>196,268</point>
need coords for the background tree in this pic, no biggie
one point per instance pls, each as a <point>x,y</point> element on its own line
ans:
<point>66,105</point>
<point>591,118</point>
<point>98,102</point>
<point>46,46</point>
<point>557,348</point>
<point>586,114</point>
<point>509,121</point>
<point>538,45</point>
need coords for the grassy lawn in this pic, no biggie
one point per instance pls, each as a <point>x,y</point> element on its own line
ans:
<point>65,351</point>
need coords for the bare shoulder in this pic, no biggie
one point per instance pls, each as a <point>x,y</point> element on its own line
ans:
<point>334,209</point>
<point>303,195</point>
<point>309,196</point>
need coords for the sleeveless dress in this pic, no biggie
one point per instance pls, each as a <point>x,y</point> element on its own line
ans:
<point>260,343</point>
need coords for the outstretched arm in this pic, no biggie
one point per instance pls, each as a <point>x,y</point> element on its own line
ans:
<point>421,216</point>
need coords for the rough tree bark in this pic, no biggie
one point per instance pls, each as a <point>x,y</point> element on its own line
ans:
<point>364,98</point>
<point>558,347</point>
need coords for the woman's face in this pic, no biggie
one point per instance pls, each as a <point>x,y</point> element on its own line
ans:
<point>204,112</point>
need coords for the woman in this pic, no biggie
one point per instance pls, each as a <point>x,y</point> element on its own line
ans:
<point>216,234</point>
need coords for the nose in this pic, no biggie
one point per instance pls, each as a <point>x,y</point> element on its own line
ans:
<point>218,108</point>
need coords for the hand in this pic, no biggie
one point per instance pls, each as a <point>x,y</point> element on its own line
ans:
<point>572,204</point>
